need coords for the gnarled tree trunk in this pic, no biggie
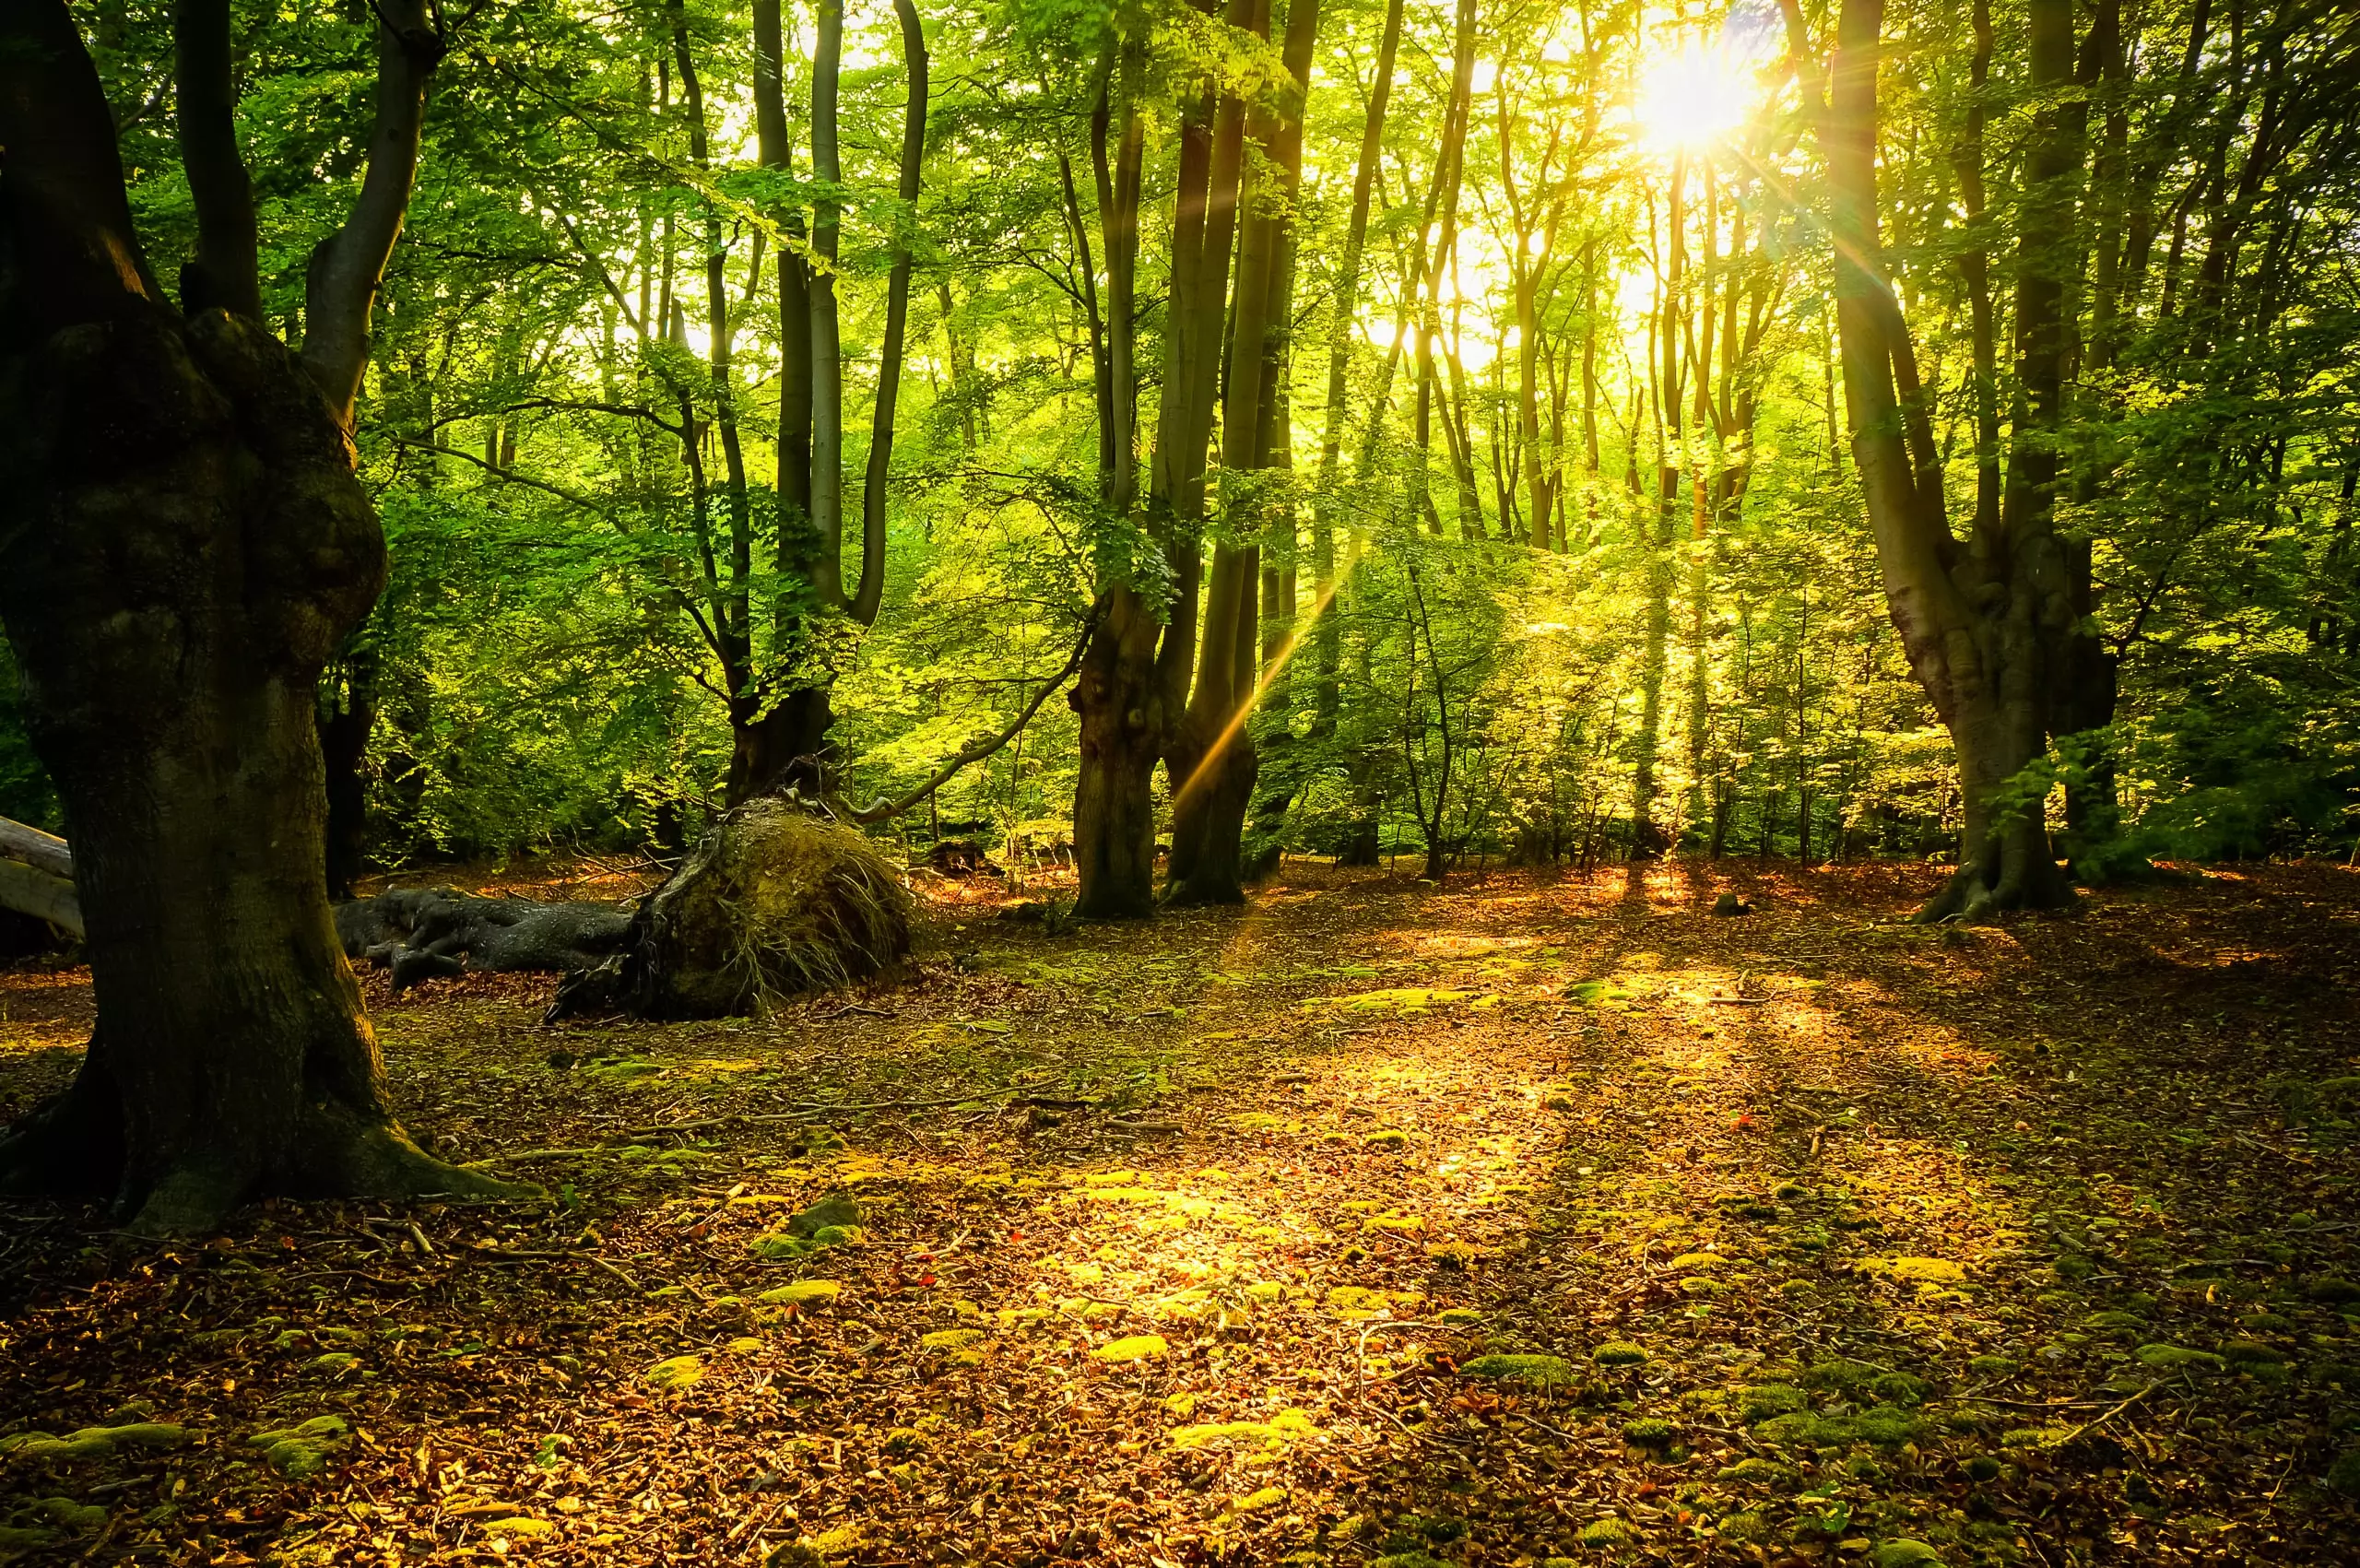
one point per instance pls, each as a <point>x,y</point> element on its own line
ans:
<point>182,543</point>
<point>1985,624</point>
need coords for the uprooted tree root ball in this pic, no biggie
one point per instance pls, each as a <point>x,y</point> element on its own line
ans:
<point>775,902</point>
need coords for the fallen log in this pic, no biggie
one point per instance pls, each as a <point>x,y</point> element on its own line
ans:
<point>42,852</point>
<point>37,876</point>
<point>426,932</point>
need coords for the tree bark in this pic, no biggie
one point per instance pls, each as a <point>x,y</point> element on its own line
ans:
<point>1212,759</point>
<point>785,747</point>
<point>1981,626</point>
<point>1134,682</point>
<point>183,542</point>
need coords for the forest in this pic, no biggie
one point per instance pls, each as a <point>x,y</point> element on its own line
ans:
<point>1179,781</point>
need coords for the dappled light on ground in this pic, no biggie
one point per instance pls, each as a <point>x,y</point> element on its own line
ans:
<point>1528,1217</point>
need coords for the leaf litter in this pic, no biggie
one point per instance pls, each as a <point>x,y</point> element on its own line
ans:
<point>1814,1238</point>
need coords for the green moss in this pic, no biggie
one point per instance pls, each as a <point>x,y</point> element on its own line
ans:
<point>1544,1371</point>
<point>1917,1270</point>
<point>1608,1532</point>
<point>2179,1358</point>
<point>1905,1554</point>
<point>2106,1321</point>
<point>803,1292</point>
<point>299,1452</point>
<point>2343,1476</point>
<point>520,1528</point>
<point>951,1339</point>
<point>1650,1432</point>
<point>1136,1348</point>
<point>2252,1353</point>
<point>1619,1353</point>
<point>1766,1401</point>
<point>1275,1434</point>
<point>1757,1471</point>
<point>94,1442</point>
<point>73,1516</point>
<point>676,1372</point>
<point>1884,1426</point>
<point>1995,1366</point>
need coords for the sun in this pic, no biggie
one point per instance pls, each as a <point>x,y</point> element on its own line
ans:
<point>1692,98</point>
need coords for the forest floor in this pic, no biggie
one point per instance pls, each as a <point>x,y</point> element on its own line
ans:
<point>1530,1217</point>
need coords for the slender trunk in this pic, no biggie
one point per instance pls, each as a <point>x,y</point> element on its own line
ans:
<point>784,747</point>
<point>1327,647</point>
<point>827,353</point>
<point>1665,365</point>
<point>866,597</point>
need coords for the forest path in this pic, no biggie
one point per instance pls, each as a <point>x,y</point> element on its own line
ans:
<point>1532,1217</point>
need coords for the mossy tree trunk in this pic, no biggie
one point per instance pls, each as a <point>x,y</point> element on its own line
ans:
<point>183,546</point>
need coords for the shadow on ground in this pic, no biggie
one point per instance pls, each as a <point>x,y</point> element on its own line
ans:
<point>1530,1217</point>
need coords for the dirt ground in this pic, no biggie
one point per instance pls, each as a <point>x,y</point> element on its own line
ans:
<point>1532,1218</point>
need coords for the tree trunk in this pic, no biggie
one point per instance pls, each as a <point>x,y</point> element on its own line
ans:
<point>183,546</point>
<point>1211,758</point>
<point>174,705</point>
<point>1981,627</point>
<point>1326,630</point>
<point>1135,680</point>
<point>346,718</point>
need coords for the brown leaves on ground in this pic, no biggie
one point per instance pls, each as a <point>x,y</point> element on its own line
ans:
<point>1528,1218</point>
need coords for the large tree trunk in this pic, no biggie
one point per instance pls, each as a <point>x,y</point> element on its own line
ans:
<point>1983,626</point>
<point>1134,681</point>
<point>191,542</point>
<point>182,544</point>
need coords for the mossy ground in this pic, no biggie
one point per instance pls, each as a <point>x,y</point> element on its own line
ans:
<point>1950,1194</point>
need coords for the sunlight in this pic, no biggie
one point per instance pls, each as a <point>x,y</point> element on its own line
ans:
<point>1692,98</point>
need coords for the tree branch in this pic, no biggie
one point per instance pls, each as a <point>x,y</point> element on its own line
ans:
<point>872,589</point>
<point>880,810</point>
<point>224,272</point>
<point>340,288</point>
<point>75,256</point>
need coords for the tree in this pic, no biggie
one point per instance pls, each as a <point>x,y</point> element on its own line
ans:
<point>1984,623</point>
<point>184,546</point>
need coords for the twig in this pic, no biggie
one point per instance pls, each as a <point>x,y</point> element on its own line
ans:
<point>851,1008</point>
<point>2101,1421</point>
<point>1563,1436</point>
<point>880,810</point>
<point>805,1111</point>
